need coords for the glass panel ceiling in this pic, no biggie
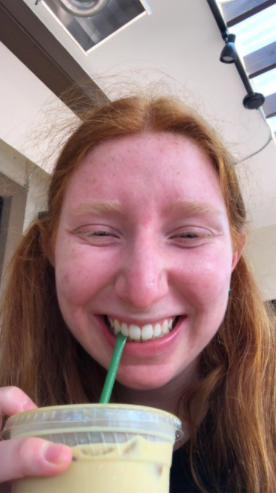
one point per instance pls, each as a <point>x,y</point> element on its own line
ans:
<point>256,31</point>
<point>265,83</point>
<point>272,122</point>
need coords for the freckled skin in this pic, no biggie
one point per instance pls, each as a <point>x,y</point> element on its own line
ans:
<point>146,271</point>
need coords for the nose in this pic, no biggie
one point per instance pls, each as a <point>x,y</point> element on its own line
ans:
<point>142,278</point>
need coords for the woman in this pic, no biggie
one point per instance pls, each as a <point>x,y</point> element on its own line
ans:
<point>144,234</point>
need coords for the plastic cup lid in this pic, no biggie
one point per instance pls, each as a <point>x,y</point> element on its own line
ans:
<point>115,417</point>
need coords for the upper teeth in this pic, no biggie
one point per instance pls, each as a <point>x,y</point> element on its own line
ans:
<point>144,333</point>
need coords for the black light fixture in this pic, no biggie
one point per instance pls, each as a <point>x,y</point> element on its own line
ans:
<point>83,8</point>
<point>229,52</point>
<point>253,100</point>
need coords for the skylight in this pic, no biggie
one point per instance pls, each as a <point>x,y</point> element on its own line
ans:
<point>254,24</point>
<point>256,31</point>
<point>266,83</point>
<point>272,122</point>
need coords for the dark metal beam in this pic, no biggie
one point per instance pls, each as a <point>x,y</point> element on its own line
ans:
<point>238,11</point>
<point>217,15</point>
<point>30,41</point>
<point>261,61</point>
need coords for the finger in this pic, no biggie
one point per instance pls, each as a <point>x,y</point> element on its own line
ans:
<point>26,457</point>
<point>13,400</point>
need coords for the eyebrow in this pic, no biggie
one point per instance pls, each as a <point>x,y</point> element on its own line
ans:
<point>98,207</point>
<point>185,207</point>
<point>193,208</point>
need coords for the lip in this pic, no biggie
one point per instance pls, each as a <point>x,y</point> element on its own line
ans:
<point>149,348</point>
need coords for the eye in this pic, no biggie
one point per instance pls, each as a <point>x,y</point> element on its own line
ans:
<point>94,233</point>
<point>89,234</point>
<point>189,235</point>
<point>97,236</point>
<point>190,239</point>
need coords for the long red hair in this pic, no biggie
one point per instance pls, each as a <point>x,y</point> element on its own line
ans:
<point>237,368</point>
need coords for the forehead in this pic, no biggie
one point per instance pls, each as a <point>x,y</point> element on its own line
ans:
<point>146,166</point>
<point>145,152</point>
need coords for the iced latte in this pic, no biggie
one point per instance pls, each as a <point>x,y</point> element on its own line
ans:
<point>115,448</point>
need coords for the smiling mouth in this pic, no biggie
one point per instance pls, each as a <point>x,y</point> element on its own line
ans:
<point>147,332</point>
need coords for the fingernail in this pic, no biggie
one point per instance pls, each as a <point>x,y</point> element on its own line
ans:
<point>28,405</point>
<point>54,453</point>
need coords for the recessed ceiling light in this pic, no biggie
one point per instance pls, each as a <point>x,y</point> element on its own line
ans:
<point>90,32</point>
<point>83,8</point>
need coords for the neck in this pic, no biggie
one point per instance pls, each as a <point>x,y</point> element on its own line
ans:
<point>168,398</point>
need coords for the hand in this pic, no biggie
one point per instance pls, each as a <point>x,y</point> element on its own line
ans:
<point>21,457</point>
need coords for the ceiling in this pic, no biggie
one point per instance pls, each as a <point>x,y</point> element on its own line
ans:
<point>177,49</point>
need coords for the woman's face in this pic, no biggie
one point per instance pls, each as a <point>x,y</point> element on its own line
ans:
<point>143,244</point>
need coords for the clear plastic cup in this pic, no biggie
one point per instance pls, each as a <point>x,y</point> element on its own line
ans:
<point>115,448</point>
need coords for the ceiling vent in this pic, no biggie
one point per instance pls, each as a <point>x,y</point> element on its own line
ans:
<point>89,32</point>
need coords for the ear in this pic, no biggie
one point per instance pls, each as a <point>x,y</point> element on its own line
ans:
<point>238,252</point>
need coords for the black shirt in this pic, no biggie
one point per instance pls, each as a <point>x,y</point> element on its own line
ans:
<point>181,478</point>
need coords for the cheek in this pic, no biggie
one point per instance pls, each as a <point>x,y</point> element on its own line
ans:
<point>81,275</point>
<point>73,285</point>
<point>206,279</point>
<point>205,293</point>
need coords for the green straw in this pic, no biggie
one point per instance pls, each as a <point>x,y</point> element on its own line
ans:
<point>112,372</point>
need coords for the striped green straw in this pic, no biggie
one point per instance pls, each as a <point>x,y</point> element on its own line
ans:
<point>112,371</point>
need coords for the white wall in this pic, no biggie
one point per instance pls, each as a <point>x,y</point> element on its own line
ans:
<point>261,253</point>
<point>24,102</point>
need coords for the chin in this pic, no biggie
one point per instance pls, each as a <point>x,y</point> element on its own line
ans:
<point>138,380</point>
